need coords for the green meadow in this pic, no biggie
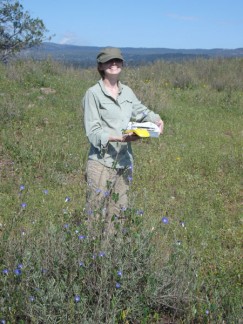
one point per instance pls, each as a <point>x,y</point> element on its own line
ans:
<point>179,257</point>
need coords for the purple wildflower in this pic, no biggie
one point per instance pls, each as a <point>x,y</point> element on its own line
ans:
<point>45,191</point>
<point>31,298</point>
<point>90,212</point>
<point>101,254</point>
<point>129,178</point>
<point>21,187</point>
<point>118,285</point>
<point>67,199</point>
<point>23,205</point>
<point>17,271</point>
<point>165,220</point>
<point>5,271</point>
<point>76,298</point>
<point>119,273</point>
<point>81,237</point>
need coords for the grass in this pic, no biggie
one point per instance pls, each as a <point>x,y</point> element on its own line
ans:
<point>179,258</point>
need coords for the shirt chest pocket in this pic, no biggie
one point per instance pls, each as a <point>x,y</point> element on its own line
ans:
<point>112,111</point>
<point>109,111</point>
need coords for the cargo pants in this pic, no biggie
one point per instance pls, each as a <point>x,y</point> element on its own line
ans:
<point>107,198</point>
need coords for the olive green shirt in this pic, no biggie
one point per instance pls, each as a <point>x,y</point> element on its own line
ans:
<point>105,116</point>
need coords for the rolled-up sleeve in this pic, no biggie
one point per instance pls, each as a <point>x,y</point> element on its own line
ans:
<point>97,136</point>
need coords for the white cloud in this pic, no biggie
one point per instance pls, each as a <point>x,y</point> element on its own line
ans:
<point>71,38</point>
<point>68,38</point>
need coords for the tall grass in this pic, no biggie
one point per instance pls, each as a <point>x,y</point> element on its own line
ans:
<point>177,259</point>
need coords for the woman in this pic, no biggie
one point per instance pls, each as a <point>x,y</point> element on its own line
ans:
<point>108,107</point>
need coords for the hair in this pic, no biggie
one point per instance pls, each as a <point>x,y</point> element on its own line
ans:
<point>102,73</point>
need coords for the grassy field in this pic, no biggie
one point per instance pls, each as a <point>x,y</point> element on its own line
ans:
<point>179,258</point>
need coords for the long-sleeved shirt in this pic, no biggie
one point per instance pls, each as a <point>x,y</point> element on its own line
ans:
<point>105,116</point>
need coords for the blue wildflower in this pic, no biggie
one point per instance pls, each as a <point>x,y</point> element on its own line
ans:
<point>165,220</point>
<point>76,298</point>
<point>66,226</point>
<point>5,271</point>
<point>129,178</point>
<point>98,190</point>
<point>2,321</point>
<point>119,273</point>
<point>45,191</point>
<point>118,285</point>
<point>140,212</point>
<point>207,312</point>
<point>81,237</point>
<point>21,187</point>
<point>31,298</point>
<point>17,271</point>
<point>23,205</point>
<point>101,254</point>
<point>67,199</point>
<point>20,266</point>
<point>90,212</point>
<point>106,193</point>
<point>130,167</point>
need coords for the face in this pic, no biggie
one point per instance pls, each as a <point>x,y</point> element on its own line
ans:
<point>113,66</point>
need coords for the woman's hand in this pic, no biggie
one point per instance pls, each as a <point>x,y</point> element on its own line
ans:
<point>160,124</point>
<point>130,137</point>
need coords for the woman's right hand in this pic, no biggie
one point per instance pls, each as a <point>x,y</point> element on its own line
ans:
<point>130,137</point>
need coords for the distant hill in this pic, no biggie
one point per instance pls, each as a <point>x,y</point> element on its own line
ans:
<point>86,55</point>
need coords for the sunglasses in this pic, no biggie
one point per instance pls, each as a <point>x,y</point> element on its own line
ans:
<point>115,60</point>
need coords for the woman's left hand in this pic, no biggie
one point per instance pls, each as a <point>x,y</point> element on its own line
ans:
<point>160,124</point>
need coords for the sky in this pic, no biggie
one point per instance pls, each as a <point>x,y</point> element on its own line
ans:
<point>176,24</point>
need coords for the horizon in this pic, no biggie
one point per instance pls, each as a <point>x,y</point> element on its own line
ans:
<point>144,47</point>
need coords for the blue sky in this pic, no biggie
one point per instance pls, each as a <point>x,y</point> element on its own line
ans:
<point>150,23</point>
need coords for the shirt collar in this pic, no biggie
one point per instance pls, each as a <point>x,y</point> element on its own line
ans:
<point>101,83</point>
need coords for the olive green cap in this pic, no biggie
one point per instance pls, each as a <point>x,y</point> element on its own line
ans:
<point>108,54</point>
